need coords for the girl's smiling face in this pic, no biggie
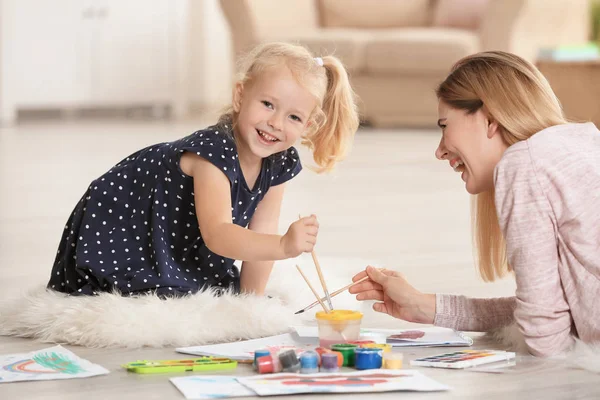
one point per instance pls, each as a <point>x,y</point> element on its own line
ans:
<point>472,144</point>
<point>273,111</point>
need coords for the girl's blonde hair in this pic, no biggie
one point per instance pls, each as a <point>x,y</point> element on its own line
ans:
<point>518,97</point>
<point>335,119</point>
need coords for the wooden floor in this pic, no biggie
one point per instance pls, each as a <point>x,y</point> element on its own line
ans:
<point>391,201</point>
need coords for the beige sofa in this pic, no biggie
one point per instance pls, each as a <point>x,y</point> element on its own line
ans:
<point>397,51</point>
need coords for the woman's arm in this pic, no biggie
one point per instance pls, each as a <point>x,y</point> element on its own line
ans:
<point>470,314</point>
<point>400,299</point>
<point>255,274</point>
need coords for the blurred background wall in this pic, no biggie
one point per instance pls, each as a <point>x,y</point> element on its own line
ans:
<point>166,58</point>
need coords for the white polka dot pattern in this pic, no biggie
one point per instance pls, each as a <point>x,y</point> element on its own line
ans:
<point>135,229</point>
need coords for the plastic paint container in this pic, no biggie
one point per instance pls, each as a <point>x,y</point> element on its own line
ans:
<point>323,350</point>
<point>264,365</point>
<point>365,358</point>
<point>259,353</point>
<point>392,360</point>
<point>338,326</point>
<point>385,347</point>
<point>347,351</point>
<point>289,361</point>
<point>329,362</point>
<point>309,362</point>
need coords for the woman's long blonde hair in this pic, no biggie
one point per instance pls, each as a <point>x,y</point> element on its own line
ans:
<point>516,95</point>
<point>335,120</point>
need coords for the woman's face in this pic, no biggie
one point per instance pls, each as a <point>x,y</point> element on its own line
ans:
<point>472,144</point>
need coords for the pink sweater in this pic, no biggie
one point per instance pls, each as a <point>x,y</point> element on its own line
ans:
<point>548,202</point>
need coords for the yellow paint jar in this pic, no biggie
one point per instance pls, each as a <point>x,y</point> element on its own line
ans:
<point>392,360</point>
<point>338,326</point>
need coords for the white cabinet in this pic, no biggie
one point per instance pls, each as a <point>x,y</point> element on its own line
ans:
<point>91,53</point>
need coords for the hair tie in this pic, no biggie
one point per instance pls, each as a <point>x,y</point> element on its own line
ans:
<point>319,61</point>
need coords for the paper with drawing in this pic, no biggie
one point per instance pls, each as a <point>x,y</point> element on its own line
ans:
<point>200,387</point>
<point>48,364</point>
<point>351,382</point>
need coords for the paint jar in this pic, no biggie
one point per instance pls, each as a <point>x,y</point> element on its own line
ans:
<point>259,353</point>
<point>367,358</point>
<point>289,361</point>
<point>264,365</point>
<point>323,350</point>
<point>309,362</point>
<point>329,362</point>
<point>347,351</point>
<point>338,326</point>
<point>392,360</point>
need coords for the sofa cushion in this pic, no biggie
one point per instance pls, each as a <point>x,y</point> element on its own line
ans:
<point>418,50</point>
<point>371,14</point>
<point>269,15</point>
<point>464,14</point>
<point>348,45</point>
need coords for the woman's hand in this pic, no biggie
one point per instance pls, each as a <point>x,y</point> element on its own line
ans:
<point>395,295</point>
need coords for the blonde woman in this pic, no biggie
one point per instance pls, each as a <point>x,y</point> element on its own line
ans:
<point>536,214</point>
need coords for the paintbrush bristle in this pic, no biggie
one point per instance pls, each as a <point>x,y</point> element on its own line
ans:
<point>299,312</point>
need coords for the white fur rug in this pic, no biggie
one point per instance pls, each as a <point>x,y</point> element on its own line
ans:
<point>109,320</point>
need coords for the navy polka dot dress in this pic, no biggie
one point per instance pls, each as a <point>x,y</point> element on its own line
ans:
<point>136,230</point>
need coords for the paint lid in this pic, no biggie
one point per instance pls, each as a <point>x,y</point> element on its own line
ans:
<point>339,315</point>
<point>264,364</point>
<point>368,350</point>
<point>309,359</point>
<point>288,359</point>
<point>329,360</point>
<point>260,353</point>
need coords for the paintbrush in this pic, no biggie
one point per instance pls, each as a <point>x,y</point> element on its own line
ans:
<point>313,289</point>
<point>332,294</point>
<point>321,277</point>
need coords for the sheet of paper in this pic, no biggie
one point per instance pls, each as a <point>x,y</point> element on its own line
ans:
<point>200,387</point>
<point>427,336</point>
<point>47,364</point>
<point>244,350</point>
<point>343,382</point>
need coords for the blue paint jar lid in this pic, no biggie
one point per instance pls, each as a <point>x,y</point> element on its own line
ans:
<point>309,359</point>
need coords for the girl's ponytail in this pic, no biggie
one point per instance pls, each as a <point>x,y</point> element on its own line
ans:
<point>339,120</point>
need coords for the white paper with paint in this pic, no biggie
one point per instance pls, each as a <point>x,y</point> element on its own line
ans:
<point>47,364</point>
<point>200,387</point>
<point>344,382</point>
<point>424,337</point>
<point>244,350</point>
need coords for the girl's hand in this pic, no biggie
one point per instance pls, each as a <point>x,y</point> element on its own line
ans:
<point>301,237</point>
<point>396,296</point>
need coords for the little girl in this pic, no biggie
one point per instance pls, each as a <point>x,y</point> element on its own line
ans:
<point>170,218</point>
